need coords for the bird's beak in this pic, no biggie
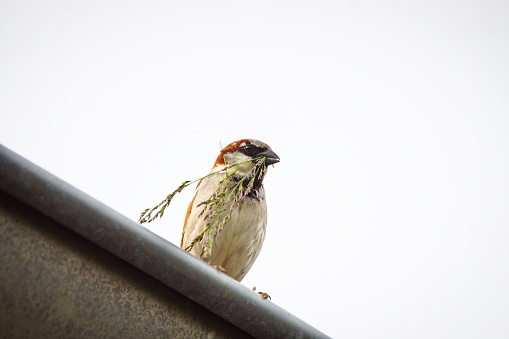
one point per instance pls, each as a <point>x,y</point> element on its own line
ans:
<point>270,156</point>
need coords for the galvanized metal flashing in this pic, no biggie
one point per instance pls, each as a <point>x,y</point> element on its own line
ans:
<point>146,251</point>
<point>56,284</point>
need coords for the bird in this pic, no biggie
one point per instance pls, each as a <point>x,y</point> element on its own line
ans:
<point>236,246</point>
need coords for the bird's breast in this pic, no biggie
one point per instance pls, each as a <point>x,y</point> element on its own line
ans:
<point>239,243</point>
<point>240,240</point>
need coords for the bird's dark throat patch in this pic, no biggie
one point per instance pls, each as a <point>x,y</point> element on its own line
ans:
<point>253,191</point>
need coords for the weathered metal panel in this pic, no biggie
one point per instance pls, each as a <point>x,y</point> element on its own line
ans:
<point>56,284</point>
<point>147,252</point>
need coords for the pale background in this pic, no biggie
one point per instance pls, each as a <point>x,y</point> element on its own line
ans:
<point>389,211</point>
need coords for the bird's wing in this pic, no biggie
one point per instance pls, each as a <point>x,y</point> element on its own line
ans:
<point>187,217</point>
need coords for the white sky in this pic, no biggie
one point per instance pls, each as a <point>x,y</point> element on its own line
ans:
<point>389,211</point>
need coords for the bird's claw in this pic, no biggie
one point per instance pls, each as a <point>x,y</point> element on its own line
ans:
<point>263,294</point>
<point>218,267</point>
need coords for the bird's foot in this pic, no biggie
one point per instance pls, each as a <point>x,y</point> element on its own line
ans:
<point>218,267</point>
<point>263,294</point>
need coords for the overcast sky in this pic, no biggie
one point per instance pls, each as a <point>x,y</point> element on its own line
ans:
<point>389,210</point>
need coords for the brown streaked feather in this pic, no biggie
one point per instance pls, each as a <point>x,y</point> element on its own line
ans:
<point>230,148</point>
<point>187,216</point>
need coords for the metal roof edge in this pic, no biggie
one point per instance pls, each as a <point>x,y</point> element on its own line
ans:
<point>147,251</point>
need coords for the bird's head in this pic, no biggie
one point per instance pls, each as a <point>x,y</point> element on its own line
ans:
<point>245,150</point>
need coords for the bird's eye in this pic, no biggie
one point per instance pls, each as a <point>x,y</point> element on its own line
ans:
<point>248,147</point>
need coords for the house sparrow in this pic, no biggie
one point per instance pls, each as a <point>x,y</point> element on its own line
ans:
<point>239,242</point>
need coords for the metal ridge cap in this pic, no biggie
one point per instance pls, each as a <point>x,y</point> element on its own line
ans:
<point>147,251</point>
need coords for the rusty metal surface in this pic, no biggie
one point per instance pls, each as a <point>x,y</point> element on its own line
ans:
<point>56,284</point>
<point>146,251</point>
